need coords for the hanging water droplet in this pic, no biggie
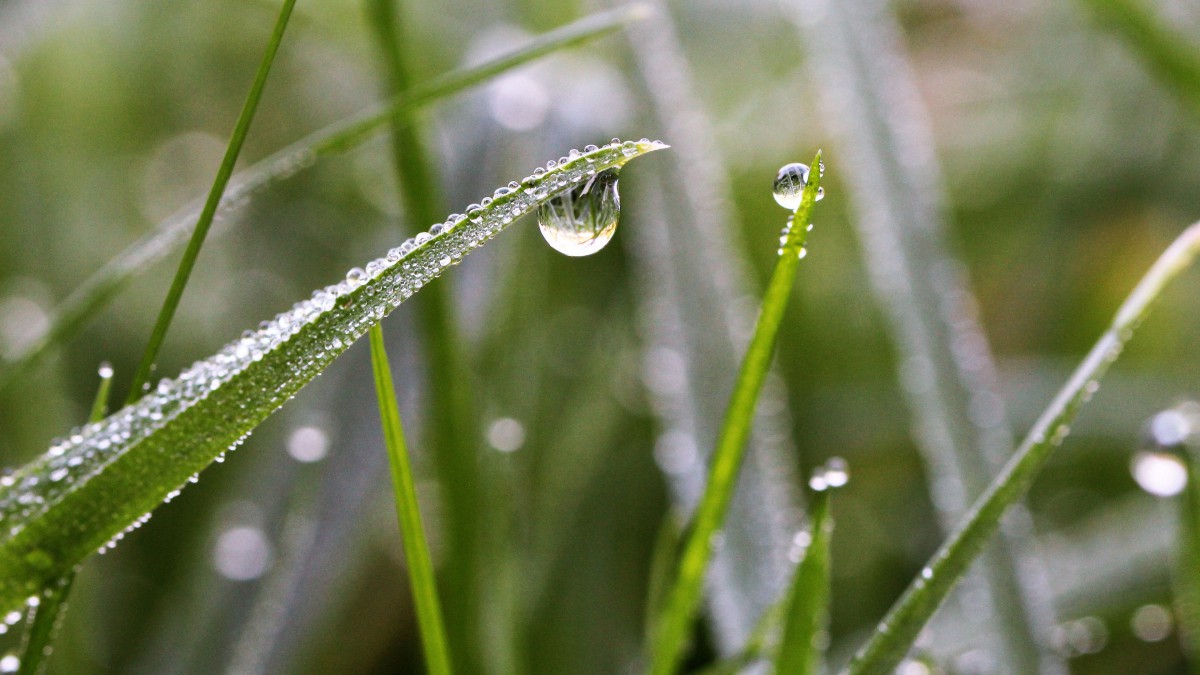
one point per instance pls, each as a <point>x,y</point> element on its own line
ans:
<point>790,182</point>
<point>582,221</point>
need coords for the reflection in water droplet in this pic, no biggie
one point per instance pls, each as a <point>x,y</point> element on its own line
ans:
<point>789,183</point>
<point>1161,474</point>
<point>10,664</point>
<point>582,221</point>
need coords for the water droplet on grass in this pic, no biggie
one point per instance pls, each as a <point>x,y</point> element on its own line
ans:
<point>790,182</point>
<point>582,221</point>
<point>834,474</point>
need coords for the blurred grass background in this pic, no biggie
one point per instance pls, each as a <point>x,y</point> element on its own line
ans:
<point>1069,166</point>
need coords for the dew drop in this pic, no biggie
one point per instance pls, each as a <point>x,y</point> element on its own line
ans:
<point>789,183</point>
<point>10,663</point>
<point>1161,474</point>
<point>582,221</point>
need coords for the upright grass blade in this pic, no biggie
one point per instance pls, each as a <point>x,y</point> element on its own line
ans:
<point>108,476</point>
<point>695,278</point>
<point>224,172</point>
<point>898,630</point>
<point>87,300</point>
<point>945,366</point>
<point>45,616</point>
<point>671,633</point>
<point>453,438</point>
<point>808,598</point>
<point>416,549</point>
<point>1171,56</point>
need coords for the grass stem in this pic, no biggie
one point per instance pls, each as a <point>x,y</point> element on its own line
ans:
<point>896,633</point>
<point>224,172</point>
<point>416,548</point>
<point>675,623</point>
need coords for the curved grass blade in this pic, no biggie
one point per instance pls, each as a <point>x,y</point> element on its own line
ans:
<point>412,532</point>
<point>87,300</point>
<point>45,616</point>
<point>224,172</point>
<point>808,598</point>
<point>106,477</point>
<point>898,630</point>
<point>671,632</point>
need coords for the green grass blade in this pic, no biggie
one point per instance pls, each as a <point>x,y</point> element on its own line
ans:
<point>453,434</point>
<point>808,598</point>
<point>898,630</point>
<point>1170,56</point>
<point>109,476</point>
<point>224,172</point>
<point>672,629</point>
<point>45,618</point>
<point>416,549</point>
<point>96,292</point>
<point>695,275</point>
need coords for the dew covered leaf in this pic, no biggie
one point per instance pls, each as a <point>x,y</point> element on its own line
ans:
<point>104,478</point>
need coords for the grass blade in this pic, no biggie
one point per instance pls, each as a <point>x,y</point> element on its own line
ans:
<point>416,549</point>
<point>453,438</point>
<point>898,630</point>
<point>109,476</point>
<point>44,618</point>
<point>808,598</point>
<point>95,293</point>
<point>695,277</point>
<point>1172,57</point>
<point>671,631</point>
<point>224,172</point>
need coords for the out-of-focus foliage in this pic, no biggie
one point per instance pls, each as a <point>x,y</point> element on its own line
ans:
<point>1069,166</point>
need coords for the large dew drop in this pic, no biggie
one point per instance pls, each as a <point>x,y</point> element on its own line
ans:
<point>582,221</point>
<point>790,182</point>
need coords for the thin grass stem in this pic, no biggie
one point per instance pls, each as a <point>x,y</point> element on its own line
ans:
<point>224,172</point>
<point>416,548</point>
<point>675,623</point>
<point>896,633</point>
<point>808,597</point>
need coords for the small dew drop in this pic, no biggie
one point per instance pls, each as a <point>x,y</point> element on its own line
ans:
<point>582,221</point>
<point>105,370</point>
<point>834,474</point>
<point>1151,623</point>
<point>1162,474</point>
<point>10,663</point>
<point>308,444</point>
<point>506,434</point>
